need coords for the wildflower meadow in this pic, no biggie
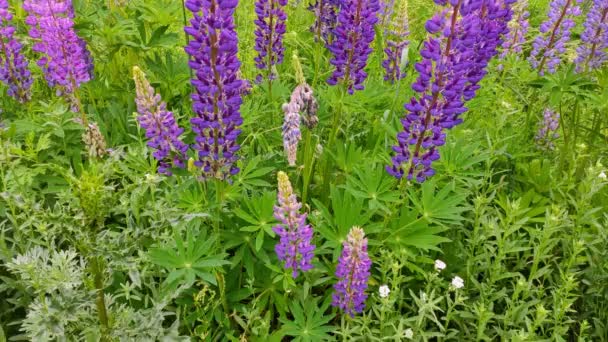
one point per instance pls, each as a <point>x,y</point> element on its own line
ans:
<point>303,170</point>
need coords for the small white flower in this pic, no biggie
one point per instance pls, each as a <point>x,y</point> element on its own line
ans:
<point>384,291</point>
<point>602,175</point>
<point>457,282</point>
<point>409,334</point>
<point>439,265</point>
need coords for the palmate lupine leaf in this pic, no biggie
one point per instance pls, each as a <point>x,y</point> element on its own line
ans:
<point>373,185</point>
<point>188,260</point>
<point>410,229</point>
<point>346,211</point>
<point>443,207</point>
<point>309,321</point>
<point>258,211</point>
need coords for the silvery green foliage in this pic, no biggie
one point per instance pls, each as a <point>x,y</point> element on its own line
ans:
<point>48,272</point>
<point>61,304</point>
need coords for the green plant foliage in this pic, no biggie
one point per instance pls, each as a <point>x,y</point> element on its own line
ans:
<point>506,242</point>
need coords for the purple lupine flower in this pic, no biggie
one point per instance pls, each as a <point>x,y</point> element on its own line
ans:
<point>387,8</point>
<point>547,132</point>
<point>550,44</point>
<point>455,57</point>
<point>397,43</point>
<point>351,46</point>
<point>13,65</point>
<point>217,85</point>
<point>353,272</point>
<point>269,32</point>
<point>302,101</point>
<point>592,52</point>
<point>162,131</point>
<point>294,247</point>
<point>65,61</point>
<point>326,18</point>
<point>518,28</point>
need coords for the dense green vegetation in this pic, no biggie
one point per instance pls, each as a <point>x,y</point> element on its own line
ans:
<point>178,258</point>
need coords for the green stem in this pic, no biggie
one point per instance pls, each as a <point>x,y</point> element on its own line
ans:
<point>100,300</point>
<point>219,198</point>
<point>308,164</point>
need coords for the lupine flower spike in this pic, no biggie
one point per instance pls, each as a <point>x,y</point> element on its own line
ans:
<point>592,52</point>
<point>270,28</point>
<point>162,131</point>
<point>302,102</point>
<point>550,45</point>
<point>353,273</point>
<point>396,44</point>
<point>326,16</point>
<point>217,85</point>
<point>518,28</point>
<point>455,58</point>
<point>294,248</point>
<point>13,66</point>
<point>65,60</point>
<point>351,47</point>
<point>547,132</point>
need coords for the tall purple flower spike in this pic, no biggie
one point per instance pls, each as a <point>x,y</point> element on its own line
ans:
<point>547,132</point>
<point>518,28</point>
<point>396,44</point>
<point>455,58</point>
<point>162,131</point>
<point>592,51</point>
<point>550,44</point>
<point>326,18</point>
<point>351,47</point>
<point>65,60</point>
<point>217,85</point>
<point>13,65</point>
<point>269,32</point>
<point>295,248</point>
<point>353,273</point>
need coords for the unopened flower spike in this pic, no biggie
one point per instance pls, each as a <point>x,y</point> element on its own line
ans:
<point>162,130</point>
<point>353,272</point>
<point>218,88</point>
<point>13,65</point>
<point>295,248</point>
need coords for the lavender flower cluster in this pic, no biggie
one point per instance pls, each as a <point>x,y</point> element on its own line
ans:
<point>295,246</point>
<point>65,60</point>
<point>162,131</point>
<point>270,29</point>
<point>397,43</point>
<point>351,48</point>
<point>547,132</point>
<point>326,15</point>
<point>592,52</point>
<point>302,101</point>
<point>353,272</point>
<point>518,29</point>
<point>455,57</point>
<point>550,45</point>
<point>217,85</point>
<point>13,66</point>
